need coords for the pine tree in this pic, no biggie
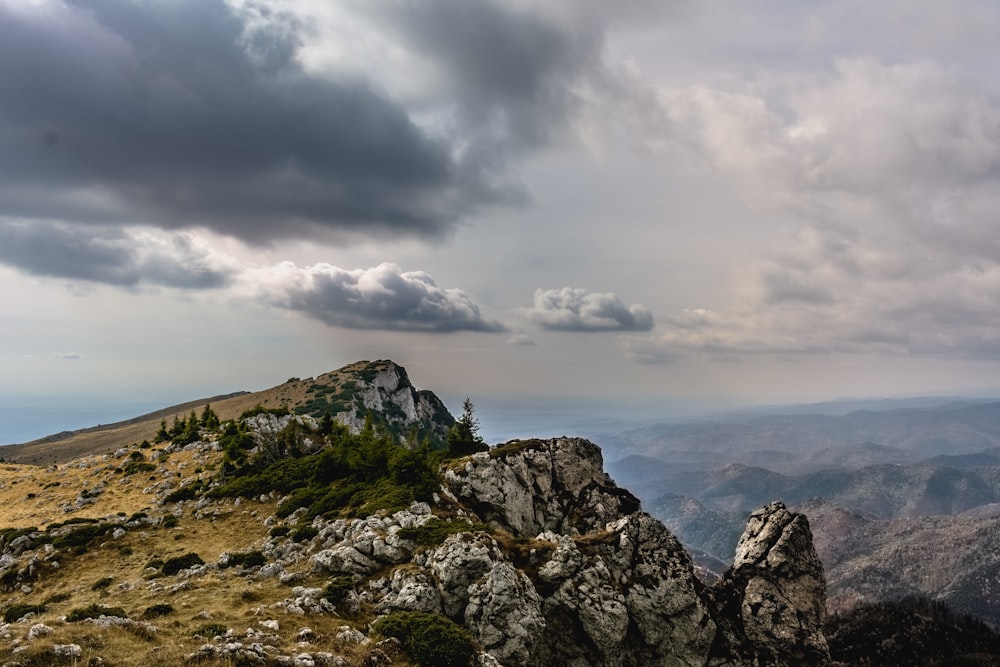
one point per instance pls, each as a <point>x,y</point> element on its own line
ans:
<point>162,435</point>
<point>463,436</point>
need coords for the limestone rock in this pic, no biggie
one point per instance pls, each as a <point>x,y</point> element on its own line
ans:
<point>773,599</point>
<point>505,615</point>
<point>532,486</point>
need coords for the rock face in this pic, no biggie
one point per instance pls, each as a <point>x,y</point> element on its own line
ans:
<point>771,602</point>
<point>383,388</point>
<point>589,579</point>
<point>530,486</point>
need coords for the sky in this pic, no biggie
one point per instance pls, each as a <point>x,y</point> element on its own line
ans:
<point>753,201</point>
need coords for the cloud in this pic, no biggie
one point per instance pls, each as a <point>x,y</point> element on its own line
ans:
<point>573,309</point>
<point>112,256</point>
<point>200,113</point>
<point>884,179</point>
<point>382,297</point>
<point>66,355</point>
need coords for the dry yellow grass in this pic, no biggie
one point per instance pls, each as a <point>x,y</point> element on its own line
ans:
<point>46,494</point>
<point>220,596</point>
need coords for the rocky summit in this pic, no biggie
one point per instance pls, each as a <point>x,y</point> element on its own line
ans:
<point>268,541</point>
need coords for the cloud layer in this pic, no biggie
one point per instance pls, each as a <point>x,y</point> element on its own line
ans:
<point>112,256</point>
<point>886,178</point>
<point>573,309</point>
<point>200,113</point>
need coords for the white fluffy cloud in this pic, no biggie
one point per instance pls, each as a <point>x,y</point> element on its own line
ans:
<point>574,309</point>
<point>381,297</point>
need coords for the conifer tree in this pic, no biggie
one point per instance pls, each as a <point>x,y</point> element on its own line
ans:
<point>463,436</point>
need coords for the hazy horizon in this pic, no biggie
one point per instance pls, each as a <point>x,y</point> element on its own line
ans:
<point>24,418</point>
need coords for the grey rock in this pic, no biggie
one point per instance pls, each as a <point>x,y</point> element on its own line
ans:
<point>504,613</point>
<point>538,485</point>
<point>772,601</point>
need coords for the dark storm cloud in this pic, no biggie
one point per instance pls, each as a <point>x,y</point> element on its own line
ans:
<point>513,73</point>
<point>177,114</point>
<point>110,256</point>
<point>570,309</point>
<point>383,297</point>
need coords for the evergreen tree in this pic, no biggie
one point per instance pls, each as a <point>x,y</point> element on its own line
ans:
<point>162,435</point>
<point>209,419</point>
<point>463,436</point>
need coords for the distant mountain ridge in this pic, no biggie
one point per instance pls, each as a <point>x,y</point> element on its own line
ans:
<point>902,502</point>
<point>347,394</point>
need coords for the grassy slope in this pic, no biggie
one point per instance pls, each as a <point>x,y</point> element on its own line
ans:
<point>221,596</point>
<point>109,437</point>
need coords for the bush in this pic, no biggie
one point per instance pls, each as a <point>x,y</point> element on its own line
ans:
<point>303,533</point>
<point>430,640</point>
<point>169,521</point>
<point>246,559</point>
<point>280,531</point>
<point>8,535</point>
<point>137,466</point>
<point>338,589</point>
<point>174,565</point>
<point>101,584</point>
<point>209,630</point>
<point>94,611</point>
<point>157,610</point>
<point>16,612</point>
<point>436,531</point>
<point>186,492</point>
<point>82,536</point>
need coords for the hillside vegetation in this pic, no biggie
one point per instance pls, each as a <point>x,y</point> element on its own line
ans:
<point>331,393</point>
<point>167,552</point>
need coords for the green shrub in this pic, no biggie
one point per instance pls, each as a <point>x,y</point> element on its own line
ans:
<point>82,536</point>
<point>169,521</point>
<point>101,584</point>
<point>69,522</point>
<point>209,630</point>
<point>186,492</point>
<point>303,533</point>
<point>430,640</point>
<point>261,410</point>
<point>8,535</point>
<point>174,565</point>
<point>157,610</point>
<point>436,531</point>
<point>94,611</point>
<point>246,559</point>
<point>16,612</point>
<point>337,590</point>
<point>138,466</point>
<point>280,531</point>
<point>8,580</point>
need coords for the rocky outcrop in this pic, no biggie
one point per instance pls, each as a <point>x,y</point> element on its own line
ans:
<point>771,603</point>
<point>530,486</point>
<point>606,584</point>
<point>384,389</point>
